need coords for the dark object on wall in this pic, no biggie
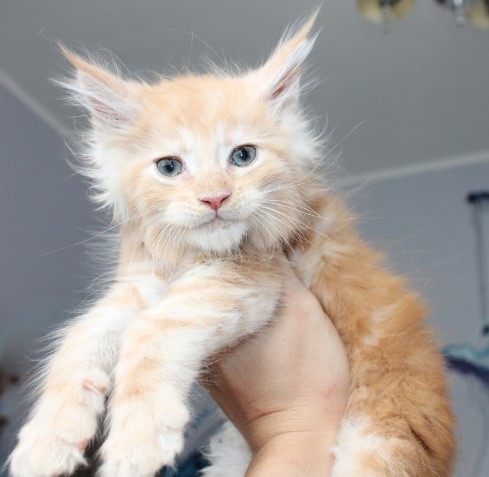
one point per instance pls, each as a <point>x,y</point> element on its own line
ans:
<point>465,359</point>
<point>479,200</point>
<point>463,366</point>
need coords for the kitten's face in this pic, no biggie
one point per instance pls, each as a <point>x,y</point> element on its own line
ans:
<point>203,161</point>
<point>213,169</point>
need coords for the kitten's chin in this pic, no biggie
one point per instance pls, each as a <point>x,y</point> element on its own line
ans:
<point>216,237</point>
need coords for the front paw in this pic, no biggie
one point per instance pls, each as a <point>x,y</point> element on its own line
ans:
<point>41,453</point>
<point>53,441</point>
<point>143,438</point>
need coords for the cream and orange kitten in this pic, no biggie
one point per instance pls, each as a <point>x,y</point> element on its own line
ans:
<point>215,183</point>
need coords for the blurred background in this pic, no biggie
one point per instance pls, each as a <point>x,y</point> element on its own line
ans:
<point>403,90</point>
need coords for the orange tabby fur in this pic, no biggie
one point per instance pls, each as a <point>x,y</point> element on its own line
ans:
<point>183,290</point>
<point>397,370</point>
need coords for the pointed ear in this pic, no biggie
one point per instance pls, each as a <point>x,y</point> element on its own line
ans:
<point>110,99</point>
<point>279,78</point>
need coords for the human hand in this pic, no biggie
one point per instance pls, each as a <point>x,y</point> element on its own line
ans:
<point>286,388</point>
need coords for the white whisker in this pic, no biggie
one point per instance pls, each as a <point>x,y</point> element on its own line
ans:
<point>346,136</point>
<point>296,209</point>
<point>157,258</point>
<point>257,220</point>
<point>97,235</point>
<point>303,208</point>
<point>303,224</point>
<point>259,210</point>
<point>296,183</point>
<point>293,220</point>
<point>146,234</point>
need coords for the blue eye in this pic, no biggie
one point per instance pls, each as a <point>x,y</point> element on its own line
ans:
<point>169,166</point>
<point>243,155</point>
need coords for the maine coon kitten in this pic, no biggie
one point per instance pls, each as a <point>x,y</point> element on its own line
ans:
<point>213,180</point>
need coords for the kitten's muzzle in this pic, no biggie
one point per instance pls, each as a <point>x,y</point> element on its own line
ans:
<point>216,202</point>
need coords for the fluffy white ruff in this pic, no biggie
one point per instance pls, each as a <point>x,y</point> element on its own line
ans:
<point>228,453</point>
<point>354,446</point>
<point>222,236</point>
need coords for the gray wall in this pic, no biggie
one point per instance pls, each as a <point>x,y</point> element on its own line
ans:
<point>42,208</point>
<point>421,220</point>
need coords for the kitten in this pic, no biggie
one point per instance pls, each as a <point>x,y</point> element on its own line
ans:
<point>214,182</point>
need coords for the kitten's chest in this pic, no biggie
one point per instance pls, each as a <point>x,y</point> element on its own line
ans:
<point>153,283</point>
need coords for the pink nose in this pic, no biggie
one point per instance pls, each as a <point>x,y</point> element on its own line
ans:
<point>214,202</point>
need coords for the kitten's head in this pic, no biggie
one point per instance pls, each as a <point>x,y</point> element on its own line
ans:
<point>204,161</point>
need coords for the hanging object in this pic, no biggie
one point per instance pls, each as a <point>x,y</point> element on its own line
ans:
<point>478,14</point>
<point>479,201</point>
<point>474,11</point>
<point>385,12</point>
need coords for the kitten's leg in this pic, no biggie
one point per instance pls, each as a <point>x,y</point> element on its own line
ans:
<point>72,385</point>
<point>228,452</point>
<point>362,452</point>
<point>207,308</point>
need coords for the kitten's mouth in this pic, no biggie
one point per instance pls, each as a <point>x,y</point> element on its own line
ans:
<point>217,233</point>
<point>216,223</point>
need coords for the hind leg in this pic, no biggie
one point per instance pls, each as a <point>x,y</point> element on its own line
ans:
<point>228,453</point>
<point>360,452</point>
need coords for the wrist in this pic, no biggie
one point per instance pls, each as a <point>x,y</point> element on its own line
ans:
<point>304,453</point>
<point>317,418</point>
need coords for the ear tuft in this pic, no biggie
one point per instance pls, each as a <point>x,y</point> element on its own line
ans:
<point>109,99</point>
<point>281,74</point>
